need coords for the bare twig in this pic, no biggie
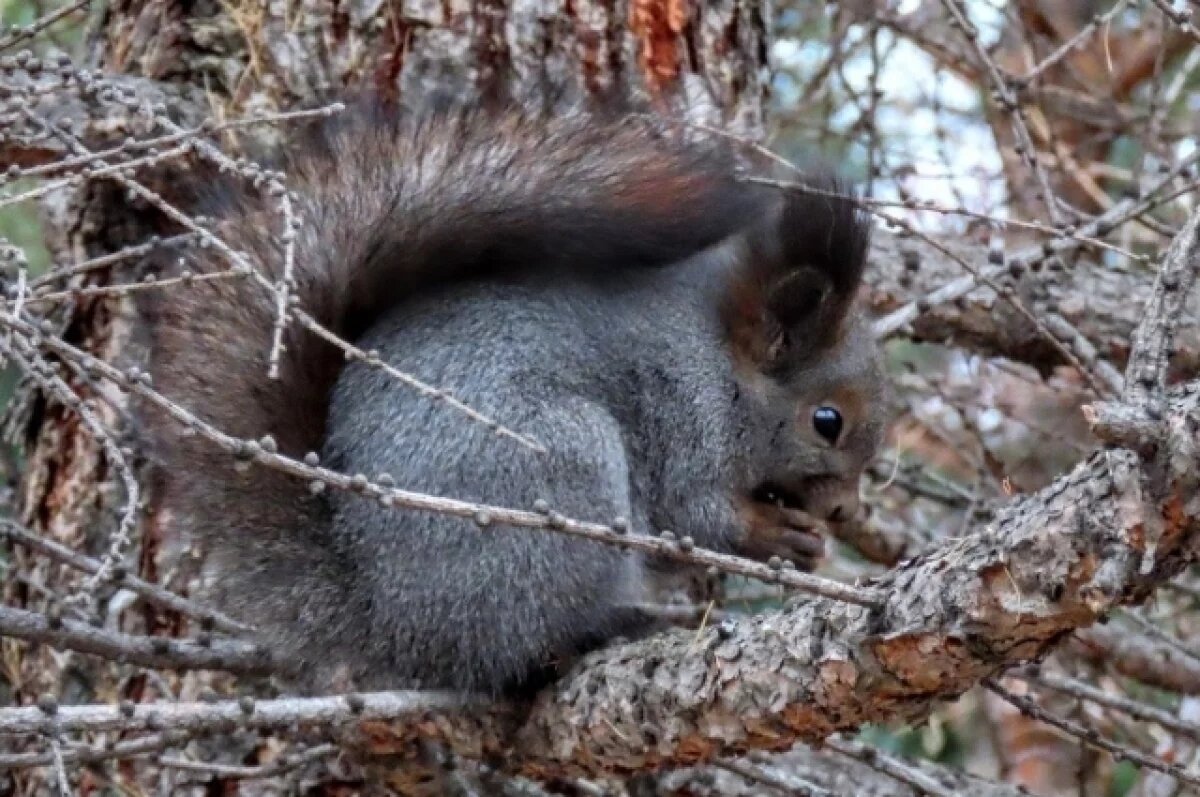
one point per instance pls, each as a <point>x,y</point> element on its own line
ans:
<point>329,711</point>
<point>159,652</point>
<point>152,593</point>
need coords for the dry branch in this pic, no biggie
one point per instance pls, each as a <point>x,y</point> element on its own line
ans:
<point>245,713</point>
<point>869,773</point>
<point>1095,300</point>
<point>161,652</point>
<point>1137,656</point>
<point>152,593</point>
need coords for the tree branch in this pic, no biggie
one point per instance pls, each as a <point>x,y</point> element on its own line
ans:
<point>1095,301</point>
<point>1139,657</point>
<point>159,652</point>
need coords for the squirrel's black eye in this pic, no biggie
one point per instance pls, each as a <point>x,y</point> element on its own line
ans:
<point>828,423</point>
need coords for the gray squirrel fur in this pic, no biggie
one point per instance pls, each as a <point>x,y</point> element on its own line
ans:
<point>594,281</point>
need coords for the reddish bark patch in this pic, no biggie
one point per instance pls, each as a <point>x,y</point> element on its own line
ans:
<point>1177,520</point>
<point>921,663</point>
<point>695,749</point>
<point>1135,538</point>
<point>657,24</point>
<point>595,52</point>
<point>809,723</point>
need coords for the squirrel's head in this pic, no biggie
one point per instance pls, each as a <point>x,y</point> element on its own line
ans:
<point>810,377</point>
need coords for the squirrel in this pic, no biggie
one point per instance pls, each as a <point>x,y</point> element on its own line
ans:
<point>683,344</point>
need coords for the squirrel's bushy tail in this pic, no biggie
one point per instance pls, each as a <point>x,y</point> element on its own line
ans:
<point>391,203</point>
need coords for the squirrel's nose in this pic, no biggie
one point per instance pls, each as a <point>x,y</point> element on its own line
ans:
<point>843,507</point>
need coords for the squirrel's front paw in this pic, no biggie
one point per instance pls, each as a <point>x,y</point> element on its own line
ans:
<point>769,529</point>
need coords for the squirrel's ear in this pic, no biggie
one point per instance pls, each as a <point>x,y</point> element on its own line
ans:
<point>796,309</point>
<point>796,278</point>
<point>795,299</point>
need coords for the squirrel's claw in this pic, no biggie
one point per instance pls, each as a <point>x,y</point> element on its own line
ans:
<point>773,530</point>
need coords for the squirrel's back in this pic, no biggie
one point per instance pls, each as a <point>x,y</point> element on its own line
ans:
<point>480,607</point>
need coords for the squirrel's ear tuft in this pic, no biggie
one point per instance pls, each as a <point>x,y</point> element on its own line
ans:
<point>797,276</point>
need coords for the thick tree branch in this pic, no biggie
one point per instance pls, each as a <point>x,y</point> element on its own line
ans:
<point>1053,562</point>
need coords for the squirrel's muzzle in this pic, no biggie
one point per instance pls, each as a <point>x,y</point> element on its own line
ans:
<point>825,497</point>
